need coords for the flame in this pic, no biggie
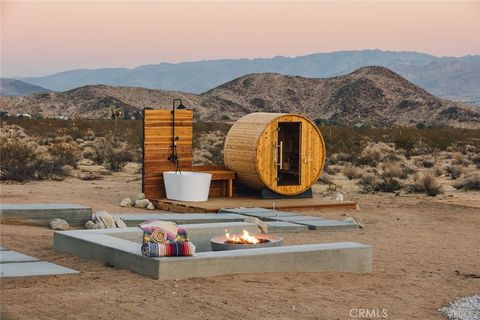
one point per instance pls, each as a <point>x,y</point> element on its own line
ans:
<point>245,238</point>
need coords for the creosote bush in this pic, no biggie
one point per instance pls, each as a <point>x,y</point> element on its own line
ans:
<point>428,184</point>
<point>470,182</point>
<point>455,171</point>
<point>352,172</point>
<point>18,161</point>
<point>114,154</point>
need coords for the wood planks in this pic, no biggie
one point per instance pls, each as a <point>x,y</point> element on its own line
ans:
<point>157,147</point>
<point>216,203</point>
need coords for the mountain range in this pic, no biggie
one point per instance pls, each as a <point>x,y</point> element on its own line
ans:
<point>455,78</point>
<point>12,87</point>
<point>368,96</point>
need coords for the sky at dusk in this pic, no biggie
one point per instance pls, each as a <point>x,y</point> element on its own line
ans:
<point>40,37</point>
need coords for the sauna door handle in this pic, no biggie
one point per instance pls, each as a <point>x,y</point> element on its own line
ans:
<point>278,154</point>
<point>280,151</point>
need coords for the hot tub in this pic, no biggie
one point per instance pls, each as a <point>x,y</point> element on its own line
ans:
<point>187,185</point>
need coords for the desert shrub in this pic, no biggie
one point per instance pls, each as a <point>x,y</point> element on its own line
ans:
<point>114,154</point>
<point>476,160</point>
<point>369,183</point>
<point>330,170</point>
<point>64,154</point>
<point>372,183</point>
<point>470,182</point>
<point>209,147</point>
<point>326,179</point>
<point>18,161</point>
<point>388,184</point>
<point>426,163</point>
<point>428,184</point>
<point>459,159</point>
<point>455,171</point>
<point>393,170</point>
<point>437,171</point>
<point>90,154</point>
<point>352,172</point>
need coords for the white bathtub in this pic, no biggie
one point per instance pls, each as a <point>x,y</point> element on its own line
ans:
<point>187,185</point>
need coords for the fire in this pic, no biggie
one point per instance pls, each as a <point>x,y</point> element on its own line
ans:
<point>245,238</point>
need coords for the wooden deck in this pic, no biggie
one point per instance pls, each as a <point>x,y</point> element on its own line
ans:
<point>216,203</point>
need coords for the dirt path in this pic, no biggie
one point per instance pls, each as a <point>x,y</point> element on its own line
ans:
<point>422,252</point>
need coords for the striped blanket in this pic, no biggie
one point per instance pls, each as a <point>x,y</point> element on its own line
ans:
<point>151,249</point>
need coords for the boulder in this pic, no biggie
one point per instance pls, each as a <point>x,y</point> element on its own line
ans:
<point>106,218</point>
<point>260,224</point>
<point>143,203</point>
<point>119,222</point>
<point>150,206</point>
<point>59,224</point>
<point>94,225</point>
<point>127,202</point>
<point>140,196</point>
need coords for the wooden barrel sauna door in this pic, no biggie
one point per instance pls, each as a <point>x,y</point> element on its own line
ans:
<point>283,152</point>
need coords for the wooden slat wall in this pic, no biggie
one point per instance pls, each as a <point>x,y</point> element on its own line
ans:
<point>157,144</point>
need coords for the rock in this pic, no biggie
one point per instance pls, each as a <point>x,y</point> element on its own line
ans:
<point>127,202</point>
<point>119,222</point>
<point>140,196</point>
<point>355,220</point>
<point>143,203</point>
<point>59,224</point>
<point>150,206</point>
<point>89,176</point>
<point>260,224</point>
<point>339,197</point>
<point>106,218</point>
<point>90,224</point>
<point>94,225</point>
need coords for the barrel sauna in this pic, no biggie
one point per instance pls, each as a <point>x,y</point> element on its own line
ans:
<point>282,152</point>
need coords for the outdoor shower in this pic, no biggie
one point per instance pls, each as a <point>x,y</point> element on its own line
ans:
<point>174,155</point>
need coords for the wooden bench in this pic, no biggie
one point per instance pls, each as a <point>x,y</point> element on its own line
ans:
<point>219,173</point>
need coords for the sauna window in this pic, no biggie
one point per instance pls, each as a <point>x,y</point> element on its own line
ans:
<point>288,162</point>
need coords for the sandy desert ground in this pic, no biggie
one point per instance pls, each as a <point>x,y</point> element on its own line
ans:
<point>426,254</point>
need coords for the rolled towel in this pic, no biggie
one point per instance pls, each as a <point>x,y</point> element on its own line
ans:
<point>182,235</point>
<point>150,249</point>
<point>162,236</point>
<point>152,225</point>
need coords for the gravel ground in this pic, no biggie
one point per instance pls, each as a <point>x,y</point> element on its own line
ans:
<point>467,308</point>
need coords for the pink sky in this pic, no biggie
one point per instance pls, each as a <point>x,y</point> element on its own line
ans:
<point>39,37</point>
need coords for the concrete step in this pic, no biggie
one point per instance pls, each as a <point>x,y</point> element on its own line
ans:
<point>41,214</point>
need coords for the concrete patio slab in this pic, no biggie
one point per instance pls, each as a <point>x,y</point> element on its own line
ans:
<point>297,218</point>
<point>327,225</point>
<point>31,269</point>
<point>284,226</point>
<point>260,213</point>
<point>113,246</point>
<point>13,256</point>
<point>41,214</point>
<point>133,220</point>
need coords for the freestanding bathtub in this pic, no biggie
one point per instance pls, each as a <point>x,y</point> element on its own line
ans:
<point>187,185</point>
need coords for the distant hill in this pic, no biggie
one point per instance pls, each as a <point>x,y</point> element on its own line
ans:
<point>12,87</point>
<point>452,78</point>
<point>368,96</point>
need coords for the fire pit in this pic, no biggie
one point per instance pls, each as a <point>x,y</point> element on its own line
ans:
<point>245,241</point>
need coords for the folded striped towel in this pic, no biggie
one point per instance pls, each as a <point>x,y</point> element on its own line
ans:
<point>182,235</point>
<point>152,225</point>
<point>152,249</point>
<point>162,236</point>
